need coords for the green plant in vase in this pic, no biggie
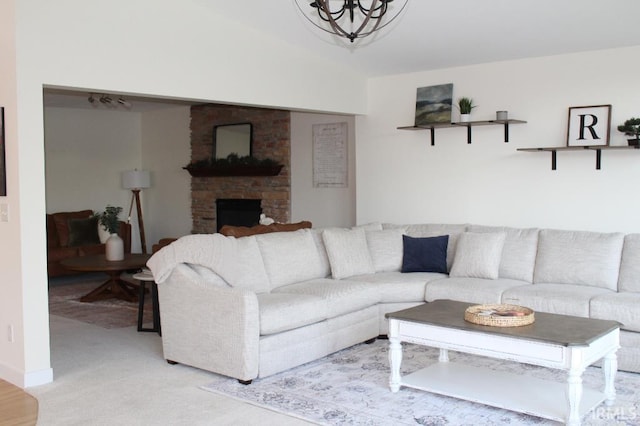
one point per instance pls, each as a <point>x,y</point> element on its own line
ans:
<point>109,219</point>
<point>114,246</point>
<point>465,105</point>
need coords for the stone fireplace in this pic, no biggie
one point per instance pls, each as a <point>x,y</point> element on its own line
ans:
<point>271,139</point>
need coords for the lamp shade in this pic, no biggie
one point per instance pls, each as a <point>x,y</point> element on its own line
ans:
<point>136,179</point>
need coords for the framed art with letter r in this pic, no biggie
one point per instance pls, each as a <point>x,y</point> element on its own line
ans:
<point>589,125</point>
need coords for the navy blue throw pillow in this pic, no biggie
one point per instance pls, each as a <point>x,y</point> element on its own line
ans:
<point>425,254</point>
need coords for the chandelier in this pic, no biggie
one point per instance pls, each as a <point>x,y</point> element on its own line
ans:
<point>363,17</point>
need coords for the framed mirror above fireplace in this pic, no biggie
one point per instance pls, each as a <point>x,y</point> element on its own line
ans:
<point>232,139</point>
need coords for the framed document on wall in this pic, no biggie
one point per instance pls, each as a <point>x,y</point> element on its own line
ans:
<point>330,155</point>
<point>589,125</point>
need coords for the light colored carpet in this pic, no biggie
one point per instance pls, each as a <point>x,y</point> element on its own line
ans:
<point>119,377</point>
<point>351,387</point>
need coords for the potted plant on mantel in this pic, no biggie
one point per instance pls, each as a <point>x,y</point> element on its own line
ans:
<point>631,127</point>
<point>234,165</point>
<point>465,105</point>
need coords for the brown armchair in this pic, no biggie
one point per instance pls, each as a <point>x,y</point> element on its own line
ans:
<point>70,234</point>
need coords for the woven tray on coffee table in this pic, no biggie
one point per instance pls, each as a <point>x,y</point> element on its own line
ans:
<point>500,315</point>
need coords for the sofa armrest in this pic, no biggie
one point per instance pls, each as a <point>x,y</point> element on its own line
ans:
<point>209,325</point>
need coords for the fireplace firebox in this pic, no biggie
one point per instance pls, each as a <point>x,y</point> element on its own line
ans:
<point>237,212</point>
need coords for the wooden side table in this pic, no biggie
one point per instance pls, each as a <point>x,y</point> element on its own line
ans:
<point>143,278</point>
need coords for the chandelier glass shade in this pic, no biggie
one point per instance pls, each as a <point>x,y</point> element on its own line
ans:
<point>351,19</point>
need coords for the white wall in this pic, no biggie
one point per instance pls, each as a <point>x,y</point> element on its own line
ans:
<point>401,178</point>
<point>166,148</point>
<point>322,206</point>
<point>86,153</point>
<point>123,47</point>
<point>17,284</point>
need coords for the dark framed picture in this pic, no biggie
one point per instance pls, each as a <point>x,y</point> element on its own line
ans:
<point>433,104</point>
<point>3,168</point>
<point>589,125</point>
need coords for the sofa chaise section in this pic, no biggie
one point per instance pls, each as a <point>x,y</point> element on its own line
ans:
<point>623,305</point>
<point>572,267</point>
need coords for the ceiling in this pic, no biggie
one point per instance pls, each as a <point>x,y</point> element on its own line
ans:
<point>448,33</point>
<point>430,35</point>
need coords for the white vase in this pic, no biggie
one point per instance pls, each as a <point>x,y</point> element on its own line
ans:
<point>465,118</point>
<point>114,249</point>
<point>103,233</point>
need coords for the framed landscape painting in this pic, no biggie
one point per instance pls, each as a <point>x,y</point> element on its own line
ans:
<point>433,104</point>
<point>3,169</point>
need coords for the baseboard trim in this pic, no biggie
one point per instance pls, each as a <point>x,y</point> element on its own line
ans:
<point>26,379</point>
<point>37,378</point>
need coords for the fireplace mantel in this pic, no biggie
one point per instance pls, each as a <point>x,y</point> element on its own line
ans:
<point>239,170</point>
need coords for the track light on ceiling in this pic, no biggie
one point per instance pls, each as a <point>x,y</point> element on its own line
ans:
<point>124,103</point>
<point>108,101</point>
<point>362,17</point>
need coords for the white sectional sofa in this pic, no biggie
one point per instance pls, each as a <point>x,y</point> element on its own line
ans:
<point>253,306</point>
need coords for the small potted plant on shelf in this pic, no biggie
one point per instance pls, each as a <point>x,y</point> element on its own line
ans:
<point>465,105</point>
<point>631,127</point>
<point>114,246</point>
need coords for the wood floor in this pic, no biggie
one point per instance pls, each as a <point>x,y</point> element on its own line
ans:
<point>17,408</point>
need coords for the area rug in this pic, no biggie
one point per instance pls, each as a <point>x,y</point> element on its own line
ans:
<point>351,388</point>
<point>64,300</point>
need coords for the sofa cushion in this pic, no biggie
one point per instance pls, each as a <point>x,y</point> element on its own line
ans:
<point>472,290</point>
<point>434,230</point>
<point>245,231</point>
<point>385,248</point>
<point>478,255</point>
<point>60,253</point>
<point>629,279</point>
<point>348,252</point>
<point>578,257</point>
<point>249,271</point>
<point>289,257</point>
<point>237,260</point>
<point>395,287</point>
<point>91,250</point>
<point>621,307</point>
<point>83,232</point>
<point>566,299</point>
<point>428,254</point>
<point>518,253</point>
<point>61,221</point>
<point>325,266</point>
<point>286,311</point>
<point>341,296</point>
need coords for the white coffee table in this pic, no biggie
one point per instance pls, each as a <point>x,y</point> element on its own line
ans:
<point>554,341</point>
